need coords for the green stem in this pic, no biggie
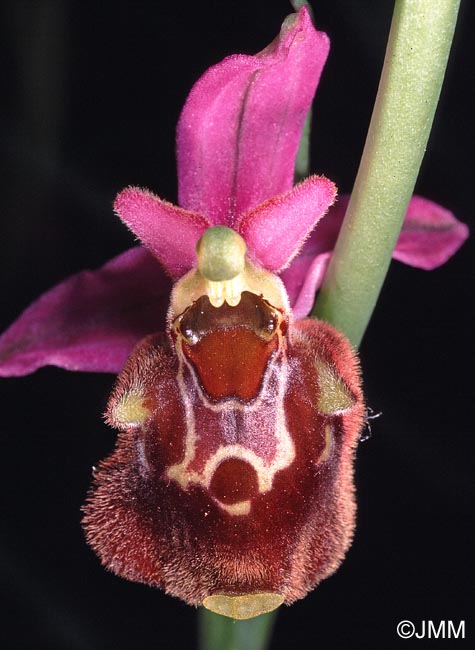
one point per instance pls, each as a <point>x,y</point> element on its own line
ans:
<point>222,633</point>
<point>413,71</point>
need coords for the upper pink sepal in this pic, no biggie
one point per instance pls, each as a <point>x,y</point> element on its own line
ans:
<point>238,134</point>
<point>169,232</point>
<point>92,320</point>
<point>276,230</point>
<point>430,235</point>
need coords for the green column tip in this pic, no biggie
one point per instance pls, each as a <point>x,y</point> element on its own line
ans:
<point>221,254</point>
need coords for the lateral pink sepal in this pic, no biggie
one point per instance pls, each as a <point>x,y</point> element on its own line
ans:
<point>92,320</point>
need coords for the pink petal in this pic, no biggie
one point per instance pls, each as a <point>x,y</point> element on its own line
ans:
<point>276,230</point>
<point>239,131</point>
<point>92,320</point>
<point>168,231</point>
<point>430,235</point>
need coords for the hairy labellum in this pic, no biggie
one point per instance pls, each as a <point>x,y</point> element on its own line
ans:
<point>231,484</point>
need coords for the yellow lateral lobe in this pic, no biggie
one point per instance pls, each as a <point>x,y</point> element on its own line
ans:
<point>334,395</point>
<point>130,410</point>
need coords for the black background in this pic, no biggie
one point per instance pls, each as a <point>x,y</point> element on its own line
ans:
<point>91,92</point>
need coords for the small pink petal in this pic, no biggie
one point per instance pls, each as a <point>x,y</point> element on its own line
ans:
<point>168,231</point>
<point>239,131</point>
<point>276,230</point>
<point>430,235</point>
<point>303,281</point>
<point>92,320</point>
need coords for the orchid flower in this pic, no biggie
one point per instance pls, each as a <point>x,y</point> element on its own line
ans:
<point>261,508</point>
<point>236,146</point>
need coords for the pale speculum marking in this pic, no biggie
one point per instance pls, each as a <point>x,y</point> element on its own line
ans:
<point>234,412</point>
<point>234,431</point>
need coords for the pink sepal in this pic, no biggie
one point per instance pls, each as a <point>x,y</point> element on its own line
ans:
<point>430,235</point>
<point>238,134</point>
<point>302,282</point>
<point>92,320</point>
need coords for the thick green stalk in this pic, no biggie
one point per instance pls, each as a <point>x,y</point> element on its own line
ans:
<point>222,633</point>
<point>414,67</point>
